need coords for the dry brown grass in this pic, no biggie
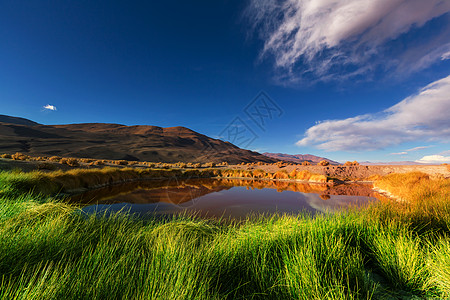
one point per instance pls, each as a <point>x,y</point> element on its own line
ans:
<point>414,187</point>
<point>308,176</point>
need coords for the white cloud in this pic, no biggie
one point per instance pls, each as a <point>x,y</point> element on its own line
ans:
<point>418,148</point>
<point>325,36</point>
<point>50,107</point>
<point>445,56</point>
<point>434,159</point>
<point>424,116</point>
<point>399,153</point>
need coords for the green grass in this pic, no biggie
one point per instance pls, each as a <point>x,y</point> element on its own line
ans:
<point>50,249</point>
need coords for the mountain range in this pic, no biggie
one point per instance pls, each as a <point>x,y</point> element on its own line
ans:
<point>116,141</point>
<point>299,158</point>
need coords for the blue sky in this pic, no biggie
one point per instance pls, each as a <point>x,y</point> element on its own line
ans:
<point>348,80</point>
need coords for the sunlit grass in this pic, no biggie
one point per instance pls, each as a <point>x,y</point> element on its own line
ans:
<point>50,249</point>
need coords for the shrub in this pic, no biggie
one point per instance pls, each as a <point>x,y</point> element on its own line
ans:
<point>121,162</point>
<point>73,162</point>
<point>210,165</point>
<point>197,165</point>
<point>55,158</point>
<point>87,160</point>
<point>99,162</point>
<point>258,173</point>
<point>281,175</point>
<point>293,174</point>
<point>182,165</point>
<point>5,156</point>
<point>20,156</point>
<point>306,163</point>
<point>323,163</point>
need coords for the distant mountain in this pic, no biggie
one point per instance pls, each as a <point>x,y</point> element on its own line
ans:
<point>391,163</point>
<point>115,141</point>
<point>299,158</point>
<point>16,120</point>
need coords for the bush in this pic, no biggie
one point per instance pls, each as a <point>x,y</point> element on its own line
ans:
<point>73,162</point>
<point>323,163</point>
<point>86,160</point>
<point>5,156</point>
<point>210,165</point>
<point>182,165</point>
<point>20,156</point>
<point>306,163</point>
<point>281,175</point>
<point>99,162</point>
<point>293,174</point>
<point>258,173</point>
<point>121,162</point>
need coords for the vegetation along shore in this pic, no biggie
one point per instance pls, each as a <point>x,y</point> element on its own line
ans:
<point>51,249</point>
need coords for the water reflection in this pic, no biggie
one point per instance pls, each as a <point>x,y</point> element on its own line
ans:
<point>225,197</point>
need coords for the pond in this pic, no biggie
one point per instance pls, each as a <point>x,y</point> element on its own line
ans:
<point>226,198</point>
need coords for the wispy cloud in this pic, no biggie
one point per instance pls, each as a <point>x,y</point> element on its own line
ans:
<point>418,148</point>
<point>411,150</point>
<point>445,56</point>
<point>50,107</point>
<point>423,116</point>
<point>446,152</point>
<point>434,159</point>
<point>399,153</point>
<point>331,39</point>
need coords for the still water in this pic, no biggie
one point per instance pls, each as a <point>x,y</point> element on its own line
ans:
<point>226,198</point>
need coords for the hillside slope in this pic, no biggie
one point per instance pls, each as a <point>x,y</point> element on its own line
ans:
<point>115,141</point>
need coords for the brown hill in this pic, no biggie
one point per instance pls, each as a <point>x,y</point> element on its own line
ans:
<point>115,141</point>
<point>16,120</point>
<point>299,158</point>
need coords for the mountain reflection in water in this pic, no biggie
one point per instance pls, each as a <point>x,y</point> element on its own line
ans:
<point>235,198</point>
